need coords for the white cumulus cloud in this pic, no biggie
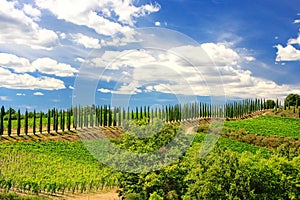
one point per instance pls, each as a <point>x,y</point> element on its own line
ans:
<point>96,14</point>
<point>19,28</point>
<point>157,23</point>
<point>144,70</point>
<point>18,64</point>
<point>32,12</point>
<point>104,90</point>
<point>288,53</point>
<point>38,94</point>
<point>86,41</point>
<point>26,81</point>
<point>50,66</point>
<point>4,98</point>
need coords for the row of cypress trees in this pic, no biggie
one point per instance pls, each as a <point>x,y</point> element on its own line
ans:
<point>90,116</point>
<point>54,118</point>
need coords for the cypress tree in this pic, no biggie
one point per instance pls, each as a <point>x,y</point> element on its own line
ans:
<point>109,116</point>
<point>63,121</point>
<point>19,123</point>
<point>148,113</point>
<point>145,111</point>
<point>132,114</point>
<point>115,117</point>
<point>34,122</point>
<point>48,121</point>
<point>96,116</point>
<point>92,116</point>
<point>100,116</point>
<point>41,122</point>
<point>2,113</point>
<point>54,119</point>
<point>124,113</point>
<point>26,123</point>
<point>75,117</point>
<point>141,112</point>
<point>68,120</point>
<point>294,110</point>
<point>152,116</point>
<point>119,117</point>
<point>9,123</point>
<point>105,115</point>
<point>128,113</point>
<point>136,113</point>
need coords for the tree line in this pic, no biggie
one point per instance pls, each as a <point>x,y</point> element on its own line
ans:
<point>106,116</point>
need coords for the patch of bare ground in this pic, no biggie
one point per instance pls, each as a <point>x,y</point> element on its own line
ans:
<point>110,195</point>
<point>74,135</point>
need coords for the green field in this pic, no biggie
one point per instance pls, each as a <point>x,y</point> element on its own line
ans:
<point>268,126</point>
<point>52,167</point>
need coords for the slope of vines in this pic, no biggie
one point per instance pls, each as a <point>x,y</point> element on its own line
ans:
<point>52,167</point>
<point>268,126</point>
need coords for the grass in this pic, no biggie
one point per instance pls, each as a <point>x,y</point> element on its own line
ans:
<point>268,126</point>
<point>13,196</point>
<point>225,143</point>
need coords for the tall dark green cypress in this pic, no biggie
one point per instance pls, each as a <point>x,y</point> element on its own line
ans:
<point>141,112</point>
<point>128,113</point>
<point>115,117</point>
<point>109,116</point>
<point>19,123</point>
<point>148,113</point>
<point>74,112</point>
<point>119,116</point>
<point>124,113</point>
<point>100,116</point>
<point>63,120</point>
<point>132,115</point>
<point>34,122</point>
<point>68,120</point>
<point>92,116</point>
<point>85,114</point>
<point>136,113</point>
<point>26,123</point>
<point>54,119</point>
<point>48,121</point>
<point>2,113</point>
<point>9,123</point>
<point>96,116</point>
<point>41,122</point>
<point>105,115</point>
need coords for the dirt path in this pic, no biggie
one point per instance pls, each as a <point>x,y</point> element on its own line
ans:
<point>190,130</point>
<point>112,195</point>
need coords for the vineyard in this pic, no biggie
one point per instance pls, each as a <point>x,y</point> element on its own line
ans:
<point>255,158</point>
<point>269,126</point>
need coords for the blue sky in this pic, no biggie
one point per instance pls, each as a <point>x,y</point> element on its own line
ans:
<point>59,52</point>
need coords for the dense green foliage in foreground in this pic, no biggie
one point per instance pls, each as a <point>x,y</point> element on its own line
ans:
<point>268,126</point>
<point>233,170</point>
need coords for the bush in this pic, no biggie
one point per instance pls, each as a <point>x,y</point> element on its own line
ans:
<point>133,196</point>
